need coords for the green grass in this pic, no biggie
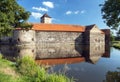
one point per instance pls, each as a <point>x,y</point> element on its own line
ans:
<point>9,78</point>
<point>6,69</point>
<point>26,70</point>
<point>116,44</point>
<point>6,78</point>
<point>58,78</point>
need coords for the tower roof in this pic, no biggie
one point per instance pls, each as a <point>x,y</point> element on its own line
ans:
<point>46,15</point>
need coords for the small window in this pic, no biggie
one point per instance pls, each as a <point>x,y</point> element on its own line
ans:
<point>32,50</point>
<point>95,40</point>
<point>32,39</point>
<point>18,40</point>
<point>18,51</point>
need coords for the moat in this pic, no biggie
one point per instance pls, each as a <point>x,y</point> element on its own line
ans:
<point>83,63</point>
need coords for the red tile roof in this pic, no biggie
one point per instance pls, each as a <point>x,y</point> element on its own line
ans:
<point>60,61</point>
<point>58,27</point>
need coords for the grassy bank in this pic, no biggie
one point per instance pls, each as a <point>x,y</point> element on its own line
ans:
<point>26,70</point>
<point>116,44</point>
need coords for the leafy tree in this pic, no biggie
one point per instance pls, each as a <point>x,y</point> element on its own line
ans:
<point>12,15</point>
<point>113,76</point>
<point>118,33</point>
<point>112,37</point>
<point>118,36</point>
<point>111,13</point>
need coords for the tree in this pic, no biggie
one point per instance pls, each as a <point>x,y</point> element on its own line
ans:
<point>113,76</point>
<point>111,13</point>
<point>12,15</point>
<point>112,37</point>
<point>118,33</point>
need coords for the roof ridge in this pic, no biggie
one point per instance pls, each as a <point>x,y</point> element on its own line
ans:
<point>58,27</point>
<point>58,24</point>
<point>46,15</point>
<point>91,25</point>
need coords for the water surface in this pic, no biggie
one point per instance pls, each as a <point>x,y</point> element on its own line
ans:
<point>83,63</point>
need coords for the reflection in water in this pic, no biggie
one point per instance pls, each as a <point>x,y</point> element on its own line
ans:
<point>75,56</point>
<point>8,52</point>
<point>93,52</point>
<point>57,53</point>
<point>113,76</point>
<point>60,61</point>
<point>13,52</point>
<point>45,51</point>
<point>107,51</point>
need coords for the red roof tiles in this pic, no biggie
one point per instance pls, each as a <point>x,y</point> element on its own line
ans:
<point>58,27</point>
<point>60,61</point>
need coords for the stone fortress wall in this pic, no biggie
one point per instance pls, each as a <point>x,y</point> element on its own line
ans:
<point>58,37</point>
<point>41,37</point>
<point>24,37</point>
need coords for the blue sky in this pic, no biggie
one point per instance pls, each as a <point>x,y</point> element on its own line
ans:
<point>77,12</point>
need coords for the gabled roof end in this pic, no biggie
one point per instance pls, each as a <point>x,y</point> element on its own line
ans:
<point>46,15</point>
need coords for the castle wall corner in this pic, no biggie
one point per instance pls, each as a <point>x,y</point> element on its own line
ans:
<point>24,36</point>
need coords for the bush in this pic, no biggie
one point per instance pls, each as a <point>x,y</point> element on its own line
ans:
<point>57,78</point>
<point>116,44</point>
<point>31,72</point>
<point>1,56</point>
<point>8,78</point>
<point>26,66</point>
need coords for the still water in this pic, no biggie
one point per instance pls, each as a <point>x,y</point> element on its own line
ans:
<point>83,63</point>
<point>89,72</point>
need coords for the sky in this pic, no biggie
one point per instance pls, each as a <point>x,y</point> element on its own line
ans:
<point>75,12</point>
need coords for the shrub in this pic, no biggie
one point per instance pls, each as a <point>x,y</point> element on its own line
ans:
<point>8,78</point>
<point>0,56</point>
<point>116,45</point>
<point>31,72</point>
<point>57,78</point>
<point>26,66</point>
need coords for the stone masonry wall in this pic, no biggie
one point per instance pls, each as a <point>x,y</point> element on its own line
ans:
<point>54,50</point>
<point>97,38</point>
<point>24,36</point>
<point>58,37</point>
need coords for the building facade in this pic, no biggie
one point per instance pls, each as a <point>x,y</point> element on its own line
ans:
<point>46,32</point>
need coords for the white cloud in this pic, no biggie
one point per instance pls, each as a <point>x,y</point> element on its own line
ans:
<point>68,12</point>
<point>76,12</point>
<point>48,4</point>
<point>36,15</point>
<point>54,19</point>
<point>40,9</point>
<point>82,12</point>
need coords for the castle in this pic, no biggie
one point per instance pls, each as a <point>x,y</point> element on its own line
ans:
<point>46,32</point>
<point>47,40</point>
